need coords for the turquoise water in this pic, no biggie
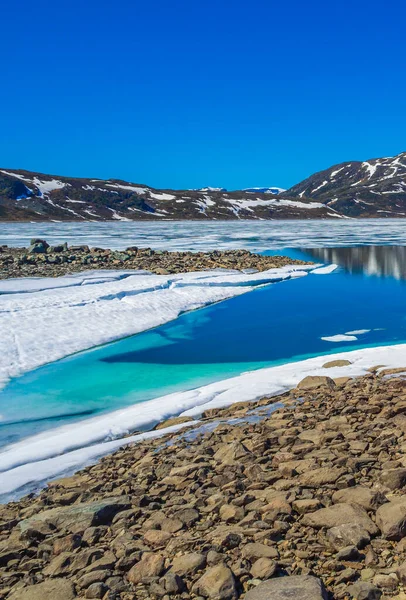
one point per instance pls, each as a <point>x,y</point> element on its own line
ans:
<point>275,324</point>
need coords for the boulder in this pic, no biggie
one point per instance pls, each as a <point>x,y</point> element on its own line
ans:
<point>188,564</point>
<point>257,550</point>
<point>340,514</point>
<point>365,497</point>
<point>304,587</point>
<point>78,517</point>
<point>217,583</point>
<point>150,565</point>
<point>364,591</point>
<point>315,381</point>
<point>263,568</point>
<point>391,519</point>
<point>393,479</point>
<point>51,589</point>
<point>349,534</point>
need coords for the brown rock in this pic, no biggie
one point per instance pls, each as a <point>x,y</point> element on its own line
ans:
<point>340,514</point>
<point>188,564</point>
<point>52,589</point>
<point>217,584</point>
<point>150,565</point>
<point>365,497</point>
<point>263,568</point>
<point>336,363</point>
<point>315,381</point>
<point>322,476</point>
<point>157,538</point>
<point>257,550</point>
<point>230,454</point>
<point>391,519</point>
<point>173,421</point>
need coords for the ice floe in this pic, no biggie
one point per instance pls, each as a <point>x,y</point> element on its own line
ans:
<point>43,320</point>
<point>340,337</point>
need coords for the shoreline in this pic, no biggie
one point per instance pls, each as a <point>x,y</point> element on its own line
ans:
<point>41,259</point>
<point>256,491</point>
<point>70,447</point>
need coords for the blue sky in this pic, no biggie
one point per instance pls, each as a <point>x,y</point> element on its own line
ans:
<point>189,93</point>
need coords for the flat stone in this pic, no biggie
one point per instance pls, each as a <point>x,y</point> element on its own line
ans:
<point>52,589</point>
<point>336,363</point>
<point>173,421</point>
<point>257,550</point>
<point>340,514</point>
<point>78,517</point>
<point>365,497</point>
<point>322,476</point>
<point>289,588</point>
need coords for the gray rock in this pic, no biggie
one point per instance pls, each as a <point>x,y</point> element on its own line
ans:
<point>289,588</point>
<point>364,591</point>
<point>78,517</point>
<point>348,534</point>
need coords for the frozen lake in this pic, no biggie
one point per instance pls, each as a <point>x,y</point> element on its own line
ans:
<point>208,235</point>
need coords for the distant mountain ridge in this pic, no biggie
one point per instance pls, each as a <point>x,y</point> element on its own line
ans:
<point>359,189</point>
<point>373,188</point>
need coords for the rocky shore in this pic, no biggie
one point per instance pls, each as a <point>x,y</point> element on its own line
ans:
<point>43,260</point>
<point>297,496</point>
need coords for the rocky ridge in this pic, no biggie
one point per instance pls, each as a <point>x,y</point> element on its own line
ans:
<point>372,188</point>
<point>28,196</point>
<point>356,189</point>
<point>259,502</point>
<point>42,260</point>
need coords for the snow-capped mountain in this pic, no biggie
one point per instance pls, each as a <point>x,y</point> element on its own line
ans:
<point>265,190</point>
<point>27,196</point>
<point>375,188</point>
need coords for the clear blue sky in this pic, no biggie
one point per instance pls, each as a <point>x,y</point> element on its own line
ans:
<point>191,93</point>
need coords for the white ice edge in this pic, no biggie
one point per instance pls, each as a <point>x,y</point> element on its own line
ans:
<point>48,454</point>
<point>45,319</point>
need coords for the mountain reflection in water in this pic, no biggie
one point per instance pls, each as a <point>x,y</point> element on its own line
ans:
<point>382,261</point>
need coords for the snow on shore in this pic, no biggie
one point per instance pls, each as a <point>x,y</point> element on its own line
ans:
<point>67,448</point>
<point>46,319</point>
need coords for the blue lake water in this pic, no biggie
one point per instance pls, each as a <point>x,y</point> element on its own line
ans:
<point>275,324</point>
